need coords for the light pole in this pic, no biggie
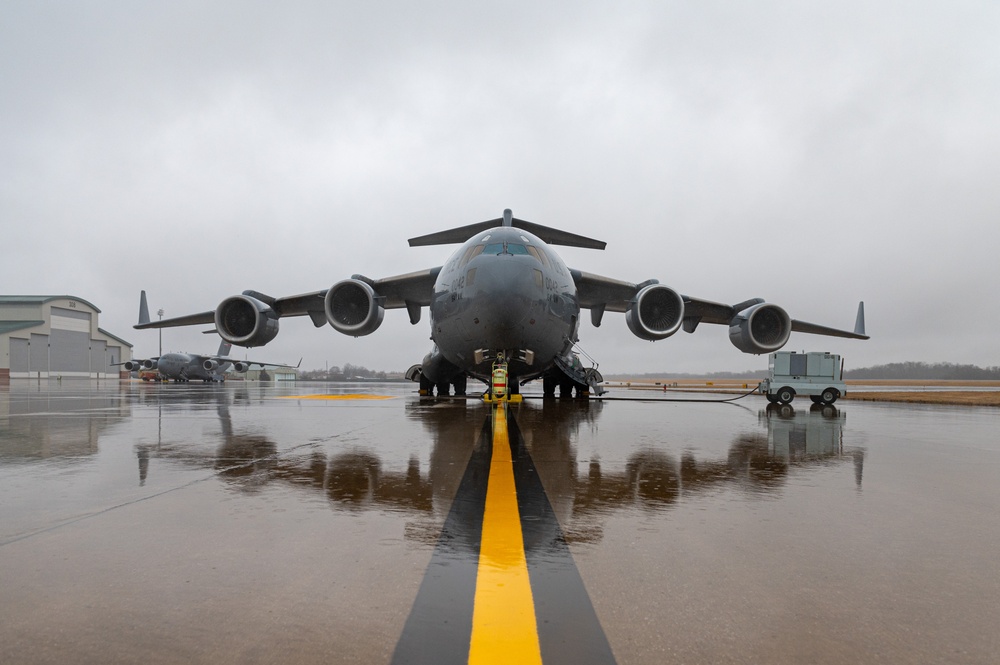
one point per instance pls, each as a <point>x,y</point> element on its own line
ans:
<point>160,314</point>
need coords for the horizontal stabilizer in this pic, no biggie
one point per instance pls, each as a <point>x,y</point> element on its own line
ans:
<point>547,234</point>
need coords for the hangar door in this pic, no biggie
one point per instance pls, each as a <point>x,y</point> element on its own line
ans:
<point>70,340</point>
<point>18,355</point>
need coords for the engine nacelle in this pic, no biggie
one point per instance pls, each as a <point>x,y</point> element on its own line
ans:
<point>656,312</point>
<point>762,328</point>
<point>241,367</point>
<point>148,364</point>
<point>353,308</point>
<point>210,365</point>
<point>246,321</point>
<point>132,365</point>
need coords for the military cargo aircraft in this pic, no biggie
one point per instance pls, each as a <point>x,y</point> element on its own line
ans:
<point>185,367</point>
<point>505,293</point>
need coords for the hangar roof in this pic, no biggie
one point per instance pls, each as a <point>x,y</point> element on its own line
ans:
<point>44,299</point>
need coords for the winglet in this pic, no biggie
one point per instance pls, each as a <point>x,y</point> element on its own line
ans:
<point>143,308</point>
<point>859,324</point>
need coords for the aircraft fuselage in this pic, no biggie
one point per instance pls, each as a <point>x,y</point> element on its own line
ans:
<point>504,290</point>
<point>188,367</point>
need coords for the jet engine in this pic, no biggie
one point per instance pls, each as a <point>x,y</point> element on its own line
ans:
<point>353,308</point>
<point>762,328</point>
<point>240,367</point>
<point>134,365</point>
<point>655,313</point>
<point>210,365</point>
<point>245,321</point>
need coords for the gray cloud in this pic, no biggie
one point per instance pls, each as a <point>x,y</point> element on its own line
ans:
<point>811,154</point>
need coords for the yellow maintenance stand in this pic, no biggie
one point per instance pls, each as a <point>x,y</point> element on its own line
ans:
<point>498,386</point>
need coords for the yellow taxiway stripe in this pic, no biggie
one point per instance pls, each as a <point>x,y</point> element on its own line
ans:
<point>504,629</point>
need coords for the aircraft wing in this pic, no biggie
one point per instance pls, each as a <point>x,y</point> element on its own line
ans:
<point>411,290</point>
<point>250,364</point>
<point>600,293</point>
<point>413,287</point>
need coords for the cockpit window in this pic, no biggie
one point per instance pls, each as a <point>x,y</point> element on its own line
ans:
<point>512,248</point>
<point>538,255</point>
<point>470,254</point>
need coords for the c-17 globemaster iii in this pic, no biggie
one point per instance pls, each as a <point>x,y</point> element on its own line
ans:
<point>505,293</point>
<point>191,366</point>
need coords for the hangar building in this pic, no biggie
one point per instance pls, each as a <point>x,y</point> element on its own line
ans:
<point>56,336</point>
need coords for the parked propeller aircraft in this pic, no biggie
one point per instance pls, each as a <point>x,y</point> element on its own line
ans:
<point>190,366</point>
<point>505,292</point>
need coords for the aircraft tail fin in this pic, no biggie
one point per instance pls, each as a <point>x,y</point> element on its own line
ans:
<point>143,308</point>
<point>859,324</point>
<point>548,234</point>
<point>224,349</point>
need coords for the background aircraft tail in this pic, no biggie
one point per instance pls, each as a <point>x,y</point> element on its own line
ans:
<point>143,308</point>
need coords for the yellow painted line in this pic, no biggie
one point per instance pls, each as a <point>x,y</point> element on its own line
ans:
<point>504,629</point>
<point>348,396</point>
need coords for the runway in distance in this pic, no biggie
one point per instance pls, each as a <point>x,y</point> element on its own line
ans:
<point>505,291</point>
<point>185,367</point>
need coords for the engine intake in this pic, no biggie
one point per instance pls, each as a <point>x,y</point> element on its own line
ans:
<point>246,321</point>
<point>760,329</point>
<point>210,365</point>
<point>656,312</point>
<point>353,308</point>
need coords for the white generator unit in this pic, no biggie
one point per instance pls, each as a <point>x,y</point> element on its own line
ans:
<point>816,373</point>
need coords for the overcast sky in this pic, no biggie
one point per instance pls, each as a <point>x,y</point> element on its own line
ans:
<point>812,154</point>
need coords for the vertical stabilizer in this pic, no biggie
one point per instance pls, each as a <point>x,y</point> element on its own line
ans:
<point>224,349</point>
<point>859,324</point>
<point>143,308</point>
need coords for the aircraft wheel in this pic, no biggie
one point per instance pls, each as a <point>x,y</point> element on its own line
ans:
<point>443,388</point>
<point>786,395</point>
<point>829,396</point>
<point>461,384</point>
<point>549,384</point>
<point>426,387</point>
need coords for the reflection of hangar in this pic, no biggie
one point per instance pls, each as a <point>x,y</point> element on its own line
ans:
<point>56,336</point>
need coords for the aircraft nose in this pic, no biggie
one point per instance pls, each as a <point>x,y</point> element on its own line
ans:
<point>505,290</point>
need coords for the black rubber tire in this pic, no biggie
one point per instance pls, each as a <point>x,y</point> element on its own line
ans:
<point>786,395</point>
<point>829,396</point>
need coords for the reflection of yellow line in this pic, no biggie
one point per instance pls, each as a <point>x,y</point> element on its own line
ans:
<point>503,621</point>
<point>354,396</point>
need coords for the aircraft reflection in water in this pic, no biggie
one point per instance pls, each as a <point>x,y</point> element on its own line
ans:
<point>357,480</point>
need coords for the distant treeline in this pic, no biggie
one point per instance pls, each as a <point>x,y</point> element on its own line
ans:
<point>348,372</point>
<point>908,370</point>
<point>925,371</point>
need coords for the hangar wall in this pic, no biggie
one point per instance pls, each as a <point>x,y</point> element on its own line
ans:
<point>57,336</point>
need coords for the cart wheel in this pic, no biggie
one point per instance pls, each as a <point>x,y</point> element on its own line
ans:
<point>786,395</point>
<point>829,396</point>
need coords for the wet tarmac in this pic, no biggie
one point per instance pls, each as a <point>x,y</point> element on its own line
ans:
<point>262,523</point>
